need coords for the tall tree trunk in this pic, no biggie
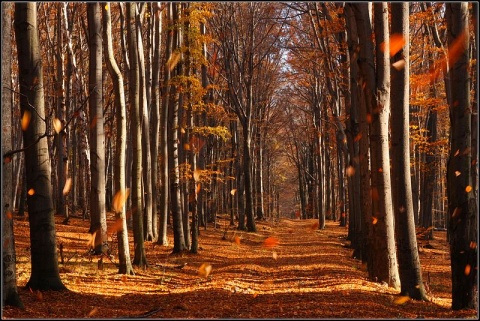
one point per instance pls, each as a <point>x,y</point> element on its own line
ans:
<point>462,206</point>
<point>43,245</point>
<point>125,264</point>
<point>408,260</point>
<point>135,112</point>
<point>98,218</point>
<point>9,272</point>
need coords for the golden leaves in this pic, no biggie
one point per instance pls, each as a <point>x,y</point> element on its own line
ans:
<point>119,200</point>
<point>271,242</point>
<point>25,122</point>
<point>205,270</point>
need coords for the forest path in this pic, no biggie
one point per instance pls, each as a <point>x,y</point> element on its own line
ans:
<point>288,269</point>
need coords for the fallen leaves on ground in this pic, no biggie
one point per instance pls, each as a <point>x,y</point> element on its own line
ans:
<point>312,275</point>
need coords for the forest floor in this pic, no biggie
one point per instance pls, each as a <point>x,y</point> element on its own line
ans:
<point>288,269</point>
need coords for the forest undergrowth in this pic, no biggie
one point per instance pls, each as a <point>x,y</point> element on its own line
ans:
<point>288,269</point>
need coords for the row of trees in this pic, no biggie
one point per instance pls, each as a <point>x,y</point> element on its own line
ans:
<point>201,108</point>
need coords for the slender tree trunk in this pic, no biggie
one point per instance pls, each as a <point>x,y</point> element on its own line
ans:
<point>119,202</point>
<point>408,260</point>
<point>9,272</point>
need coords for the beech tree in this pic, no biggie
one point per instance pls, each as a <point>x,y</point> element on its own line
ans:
<point>43,245</point>
<point>462,206</point>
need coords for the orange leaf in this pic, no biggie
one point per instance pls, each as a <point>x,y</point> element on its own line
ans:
<point>31,191</point>
<point>237,239</point>
<point>26,120</point>
<point>7,159</point>
<point>205,270</point>
<point>315,226</point>
<point>116,227</point>
<point>350,171</point>
<point>468,189</point>
<point>467,269</point>
<point>396,43</point>
<point>374,220</point>
<point>233,191</point>
<point>198,188</point>
<point>274,255</point>
<point>94,310</point>
<point>119,200</point>
<point>39,295</point>
<point>402,300</point>
<point>9,215</point>
<point>270,242</point>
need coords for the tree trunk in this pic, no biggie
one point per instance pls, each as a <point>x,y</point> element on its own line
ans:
<point>135,114</point>
<point>125,264</point>
<point>9,272</point>
<point>408,260</point>
<point>43,245</point>
<point>462,206</point>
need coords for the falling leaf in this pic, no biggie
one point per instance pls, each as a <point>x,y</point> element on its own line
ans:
<point>380,170</point>
<point>57,125</point>
<point>255,294</point>
<point>274,255</point>
<point>350,171</point>
<point>358,137</point>
<point>91,240</point>
<point>68,185</point>
<point>205,270</point>
<point>186,146</point>
<point>457,211</point>
<point>39,295</point>
<point>468,189</point>
<point>173,60</point>
<point>399,65</point>
<point>117,226</point>
<point>31,191</point>
<point>457,173</point>
<point>315,226</point>
<point>369,118</point>
<point>374,220</point>
<point>198,188</point>
<point>94,310</point>
<point>233,191</point>
<point>106,7</point>
<point>396,43</point>
<point>182,130</point>
<point>124,278</point>
<point>119,200</point>
<point>196,175</point>
<point>457,152</point>
<point>26,120</point>
<point>94,122</point>
<point>467,269</point>
<point>402,209</point>
<point>374,194</point>
<point>402,300</point>
<point>236,239</point>
<point>270,242</point>
<point>77,281</point>
<point>9,215</point>
<point>7,159</point>
<point>473,245</point>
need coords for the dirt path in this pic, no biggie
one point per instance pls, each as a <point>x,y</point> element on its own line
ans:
<point>285,270</point>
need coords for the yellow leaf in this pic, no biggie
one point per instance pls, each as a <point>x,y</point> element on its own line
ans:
<point>26,120</point>
<point>196,175</point>
<point>402,300</point>
<point>57,125</point>
<point>205,270</point>
<point>106,6</point>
